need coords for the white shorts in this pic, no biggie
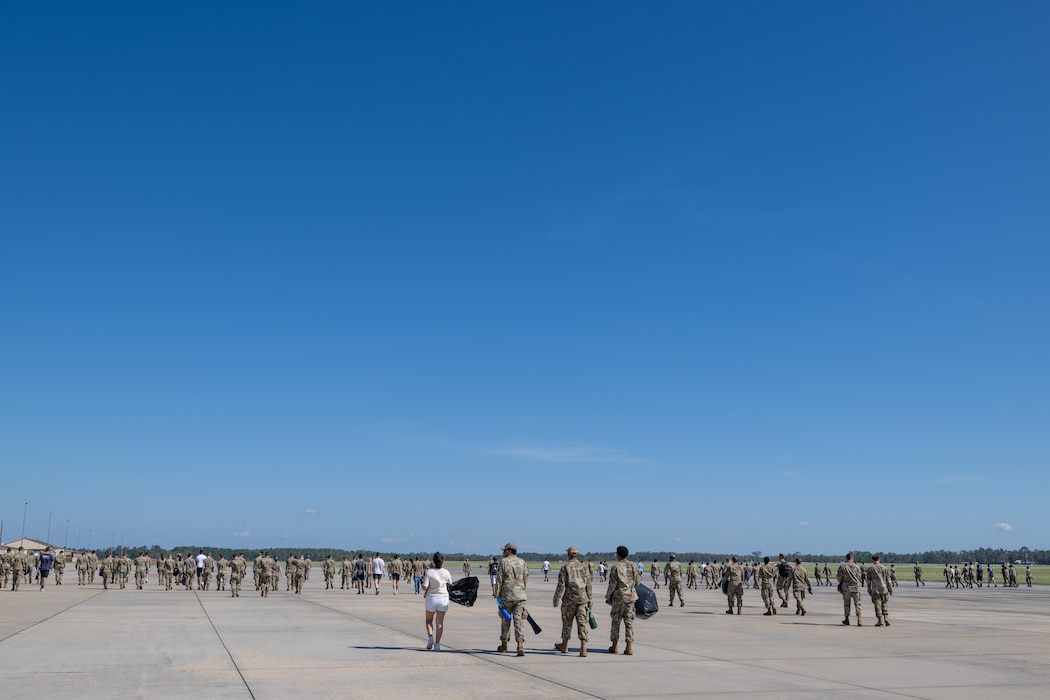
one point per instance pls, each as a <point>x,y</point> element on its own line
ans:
<point>492,579</point>
<point>436,603</point>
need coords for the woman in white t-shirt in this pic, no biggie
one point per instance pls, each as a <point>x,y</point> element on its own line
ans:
<point>435,598</point>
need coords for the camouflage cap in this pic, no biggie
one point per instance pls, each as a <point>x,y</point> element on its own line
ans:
<point>511,546</point>
<point>572,550</point>
<point>670,556</point>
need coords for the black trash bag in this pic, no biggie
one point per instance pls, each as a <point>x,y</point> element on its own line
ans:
<point>464,591</point>
<point>645,607</point>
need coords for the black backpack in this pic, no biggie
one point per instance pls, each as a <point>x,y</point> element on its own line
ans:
<point>784,569</point>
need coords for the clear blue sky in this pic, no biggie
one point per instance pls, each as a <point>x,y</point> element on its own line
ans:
<point>415,276</point>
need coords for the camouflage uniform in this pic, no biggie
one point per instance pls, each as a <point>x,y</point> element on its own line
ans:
<point>673,575</point>
<point>654,574</point>
<point>574,594</point>
<point>141,569</point>
<point>328,569</point>
<point>60,567</point>
<point>690,575</point>
<point>879,590</point>
<point>344,573</point>
<point>734,574</point>
<point>18,565</point>
<point>799,584</point>
<point>512,576</point>
<point>765,575</point>
<point>264,565</point>
<point>621,594</point>
<point>220,572</point>
<point>849,577</point>
<point>209,567</point>
<point>918,575</point>
<point>238,567</point>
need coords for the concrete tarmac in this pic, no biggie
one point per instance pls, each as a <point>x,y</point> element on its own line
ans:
<point>91,643</point>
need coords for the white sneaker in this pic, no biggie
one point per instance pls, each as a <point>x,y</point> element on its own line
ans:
<point>437,647</point>
<point>430,642</point>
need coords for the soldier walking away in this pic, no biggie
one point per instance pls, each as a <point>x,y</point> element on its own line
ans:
<point>918,575</point>
<point>783,579</point>
<point>827,574</point>
<point>512,577</point>
<point>849,577</point>
<point>765,575</point>
<point>466,568</point>
<point>733,577</point>
<point>1028,575</point>
<point>574,595</point>
<point>328,569</point>
<point>654,573</point>
<point>880,589</point>
<point>397,570</point>
<point>238,567</point>
<point>673,576</point>
<point>624,576</point>
<point>799,586</point>
<point>221,567</point>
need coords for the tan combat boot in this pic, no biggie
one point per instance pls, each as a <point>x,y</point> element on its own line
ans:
<point>738,608</point>
<point>629,651</point>
<point>562,646</point>
<point>502,648</point>
<point>521,648</point>
<point>859,623</point>
<point>583,648</point>
<point>615,648</point>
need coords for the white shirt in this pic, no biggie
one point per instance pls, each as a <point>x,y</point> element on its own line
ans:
<point>200,560</point>
<point>437,581</point>
<point>377,566</point>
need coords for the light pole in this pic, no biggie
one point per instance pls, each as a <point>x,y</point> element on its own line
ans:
<point>48,540</point>
<point>65,544</point>
<point>25,509</point>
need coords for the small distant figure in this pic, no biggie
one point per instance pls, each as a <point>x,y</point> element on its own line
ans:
<point>492,574</point>
<point>546,570</point>
<point>466,568</point>
<point>849,576</point>
<point>918,575</point>
<point>673,576</point>
<point>654,573</point>
<point>1028,576</point>
<point>378,569</point>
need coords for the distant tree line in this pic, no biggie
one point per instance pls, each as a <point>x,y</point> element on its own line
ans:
<point>939,556</point>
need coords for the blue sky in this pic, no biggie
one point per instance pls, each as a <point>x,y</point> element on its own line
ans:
<point>422,276</point>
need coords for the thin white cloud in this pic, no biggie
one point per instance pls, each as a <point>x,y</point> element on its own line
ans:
<point>1003,527</point>
<point>245,533</point>
<point>309,511</point>
<point>803,524</point>
<point>571,453</point>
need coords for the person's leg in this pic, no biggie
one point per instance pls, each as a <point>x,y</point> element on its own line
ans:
<point>430,629</point>
<point>439,625</point>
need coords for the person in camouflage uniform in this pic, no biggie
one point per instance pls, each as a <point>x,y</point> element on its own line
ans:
<point>917,570</point>
<point>734,579</point>
<point>849,577</point>
<point>799,586</point>
<point>344,573</point>
<point>221,567</point>
<point>624,576</point>
<point>141,570</point>
<point>328,570</point>
<point>60,567</point>
<point>265,566</point>
<point>574,595</point>
<point>654,573</point>
<point>690,575</point>
<point>512,576</point>
<point>765,575</point>
<point>209,569</point>
<point>5,567</point>
<point>18,565</point>
<point>879,587</point>
<point>673,576</point>
<point>238,567</point>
